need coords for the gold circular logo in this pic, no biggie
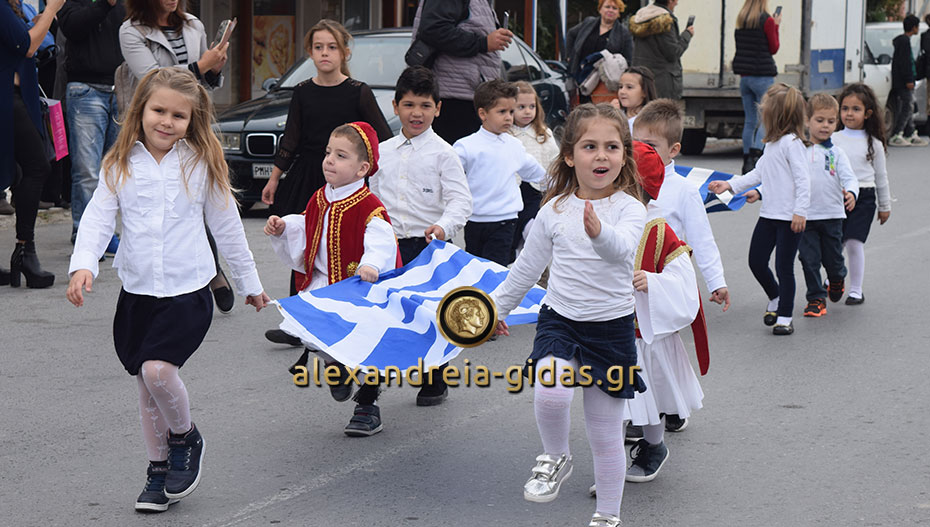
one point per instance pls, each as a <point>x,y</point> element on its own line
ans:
<point>467,317</point>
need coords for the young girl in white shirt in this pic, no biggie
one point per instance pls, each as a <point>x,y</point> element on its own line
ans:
<point>589,228</point>
<point>863,139</point>
<point>166,176</point>
<point>529,126</point>
<point>784,173</point>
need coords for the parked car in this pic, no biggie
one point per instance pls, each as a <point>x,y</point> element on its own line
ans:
<point>876,69</point>
<point>250,132</point>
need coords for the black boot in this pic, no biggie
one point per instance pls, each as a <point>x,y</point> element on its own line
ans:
<point>4,276</point>
<point>747,163</point>
<point>754,155</point>
<point>25,261</point>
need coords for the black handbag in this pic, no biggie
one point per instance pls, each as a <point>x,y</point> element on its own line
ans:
<point>420,54</point>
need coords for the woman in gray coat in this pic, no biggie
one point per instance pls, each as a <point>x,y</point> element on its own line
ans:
<point>659,46</point>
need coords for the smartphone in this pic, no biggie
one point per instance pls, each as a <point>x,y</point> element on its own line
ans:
<point>506,23</point>
<point>690,21</point>
<point>777,10</point>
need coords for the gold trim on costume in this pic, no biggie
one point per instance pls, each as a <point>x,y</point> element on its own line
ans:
<point>352,268</point>
<point>637,265</point>
<point>358,129</point>
<point>376,212</point>
<point>676,253</point>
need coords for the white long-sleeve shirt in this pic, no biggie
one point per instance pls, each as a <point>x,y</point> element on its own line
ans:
<point>490,161</point>
<point>683,208</point>
<point>544,152</point>
<point>831,174</point>
<point>590,280</point>
<point>380,246</point>
<point>421,183</point>
<point>784,172</point>
<point>164,250</point>
<point>871,174</point>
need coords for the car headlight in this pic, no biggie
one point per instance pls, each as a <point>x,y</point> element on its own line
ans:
<point>231,141</point>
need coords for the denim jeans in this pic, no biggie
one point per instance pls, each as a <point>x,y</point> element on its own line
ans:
<point>903,112</point>
<point>751,89</point>
<point>92,126</point>
<point>822,244</point>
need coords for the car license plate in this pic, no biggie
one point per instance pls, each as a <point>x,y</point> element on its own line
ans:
<point>262,170</point>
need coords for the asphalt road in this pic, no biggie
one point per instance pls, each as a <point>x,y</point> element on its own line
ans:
<point>826,427</point>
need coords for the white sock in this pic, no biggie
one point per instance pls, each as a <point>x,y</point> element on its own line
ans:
<point>783,321</point>
<point>855,261</point>
<point>604,422</point>
<point>773,305</point>
<point>552,406</point>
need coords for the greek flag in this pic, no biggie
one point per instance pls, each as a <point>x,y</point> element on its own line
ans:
<point>393,322</point>
<point>700,177</point>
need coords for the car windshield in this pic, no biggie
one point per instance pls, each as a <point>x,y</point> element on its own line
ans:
<point>879,40</point>
<point>374,61</point>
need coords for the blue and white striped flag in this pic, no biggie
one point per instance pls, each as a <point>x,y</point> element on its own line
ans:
<point>393,321</point>
<point>700,177</point>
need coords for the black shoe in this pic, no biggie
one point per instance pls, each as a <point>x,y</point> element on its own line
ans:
<point>342,389</point>
<point>781,329</point>
<point>222,293</point>
<point>835,290</point>
<point>153,498</point>
<point>25,262</point>
<point>633,433</point>
<point>769,318</point>
<point>366,421</point>
<point>434,393</point>
<point>674,423</point>
<point>647,461</point>
<point>279,337</point>
<point>4,276</point>
<point>853,301</point>
<point>185,457</point>
<point>748,164</point>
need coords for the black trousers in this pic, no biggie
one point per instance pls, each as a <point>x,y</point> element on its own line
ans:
<point>531,200</point>
<point>457,119</point>
<point>29,149</point>
<point>775,235</point>
<point>822,244</point>
<point>410,248</point>
<point>490,240</point>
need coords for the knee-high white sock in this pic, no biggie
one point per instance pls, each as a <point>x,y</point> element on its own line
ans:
<point>603,420</point>
<point>553,413</point>
<point>168,391</point>
<point>154,426</point>
<point>855,261</point>
<point>654,434</point>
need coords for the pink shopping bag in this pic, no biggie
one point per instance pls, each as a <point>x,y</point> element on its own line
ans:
<point>56,128</point>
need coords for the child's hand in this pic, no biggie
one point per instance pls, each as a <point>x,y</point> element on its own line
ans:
<point>259,301</point>
<point>850,201</point>
<point>640,282</point>
<point>883,217</point>
<point>502,329</point>
<point>367,273</point>
<point>274,226</point>
<point>81,279</point>
<point>592,224</point>
<point>721,296</point>
<point>752,196</point>
<point>719,186</point>
<point>435,232</point>
<point>615,103</point>
<point>798,223</point>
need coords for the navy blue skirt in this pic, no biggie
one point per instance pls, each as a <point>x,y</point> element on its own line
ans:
<point>169,329</point>
<point>607,348</point>
<point>858,221</point>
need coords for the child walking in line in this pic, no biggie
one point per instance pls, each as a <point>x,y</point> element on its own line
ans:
<point>166,188</point>
<point>834,188</point>
<point>530,128</point>
<point>343,232</point>
<point>863,139</point>
<point>637,89</point>
<point>784,172</point>
<point>590,222</point>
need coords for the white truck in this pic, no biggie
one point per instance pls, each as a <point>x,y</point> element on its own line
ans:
<point>821,50</point>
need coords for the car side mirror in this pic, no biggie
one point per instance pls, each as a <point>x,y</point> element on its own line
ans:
<point>270,83</point>
<point>884,58</point>
<point>558,66</point>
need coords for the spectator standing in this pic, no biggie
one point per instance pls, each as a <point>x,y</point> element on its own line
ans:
<point>596,33</point>
<point>658,45</point>
<point>903,77</point>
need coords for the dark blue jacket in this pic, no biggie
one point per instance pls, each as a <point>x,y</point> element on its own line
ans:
<point>902,63</point>
<point>14,45</point>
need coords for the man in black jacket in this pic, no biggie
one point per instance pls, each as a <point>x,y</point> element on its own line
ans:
<point>903,77</point>
<point>92,31</point>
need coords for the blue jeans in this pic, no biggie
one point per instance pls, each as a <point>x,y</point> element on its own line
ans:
<point>751,89</point>
<point>822,245</point>
<point>92,126</point>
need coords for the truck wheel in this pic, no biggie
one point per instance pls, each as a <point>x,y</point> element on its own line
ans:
<point>693,141</point>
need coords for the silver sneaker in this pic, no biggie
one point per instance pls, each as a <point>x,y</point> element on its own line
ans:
<point>548,475</point>
<point>605,520</point>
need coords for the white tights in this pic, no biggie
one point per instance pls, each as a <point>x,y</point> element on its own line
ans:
<point>855,260</point>
<point>603,417</point>
<point>163,405</point>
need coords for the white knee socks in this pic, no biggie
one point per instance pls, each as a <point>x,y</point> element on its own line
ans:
<point>855,261</point>
<point>553,415</point>
<point>163,405</point>
<point>603,419</point>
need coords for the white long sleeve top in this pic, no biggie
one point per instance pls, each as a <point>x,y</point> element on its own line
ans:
<point>422,183</point>
<point>831,174</point>
<point>544,152</point>
<point>784,172</point>
<point>590,280</point>
<point>871,174</point>
<point>683,208</point>
<point>490,161</point>
<point>164,250</point>
<point>380,245</point>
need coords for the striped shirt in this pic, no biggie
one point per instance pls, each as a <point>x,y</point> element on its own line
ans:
<point>176,40</point>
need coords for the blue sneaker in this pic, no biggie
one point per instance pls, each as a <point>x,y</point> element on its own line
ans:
<point>185,457</point>
<point>113,245</point>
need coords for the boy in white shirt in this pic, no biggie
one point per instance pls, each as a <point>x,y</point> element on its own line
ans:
<point>421,183</point>
<point>491,157</point>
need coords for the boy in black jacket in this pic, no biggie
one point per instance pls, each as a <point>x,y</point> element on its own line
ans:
<point>903,77</point>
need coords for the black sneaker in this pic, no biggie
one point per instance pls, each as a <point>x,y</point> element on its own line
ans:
<point>434,393</point>
<point>185,457</point>
<point>853,301</point>
<point>342,390</point>
<point>153,498</point>
<point>633,433</point>
<point>366,421</point>
<point>279,337</point>
<point>835,289</point>
<point>674,423</point>
<point>647,461</point>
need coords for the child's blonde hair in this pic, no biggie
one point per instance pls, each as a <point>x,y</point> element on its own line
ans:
<point>783,112</point>
<point>539,122</point>
<point>563,182</point>
<point>822,101</point>
<point>662,117</point>
<point>342,36</point>
<point>200,135</point>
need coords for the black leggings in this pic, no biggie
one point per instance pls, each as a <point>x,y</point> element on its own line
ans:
<point>775,235</point>
<point>29,148</point>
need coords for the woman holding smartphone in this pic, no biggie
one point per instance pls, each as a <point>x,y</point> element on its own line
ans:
<point>756,42</point>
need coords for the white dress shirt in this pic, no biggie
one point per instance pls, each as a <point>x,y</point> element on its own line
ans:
<point>380,245</point>
<point>490,161</point>
<point>590,280</point>
<point>683,209</point>
<point>421,183</point>
<point>831,174</point>
<point>544,153</point>
<point>164,250</point>
<point>871,174</point>
<point>785,175</point>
